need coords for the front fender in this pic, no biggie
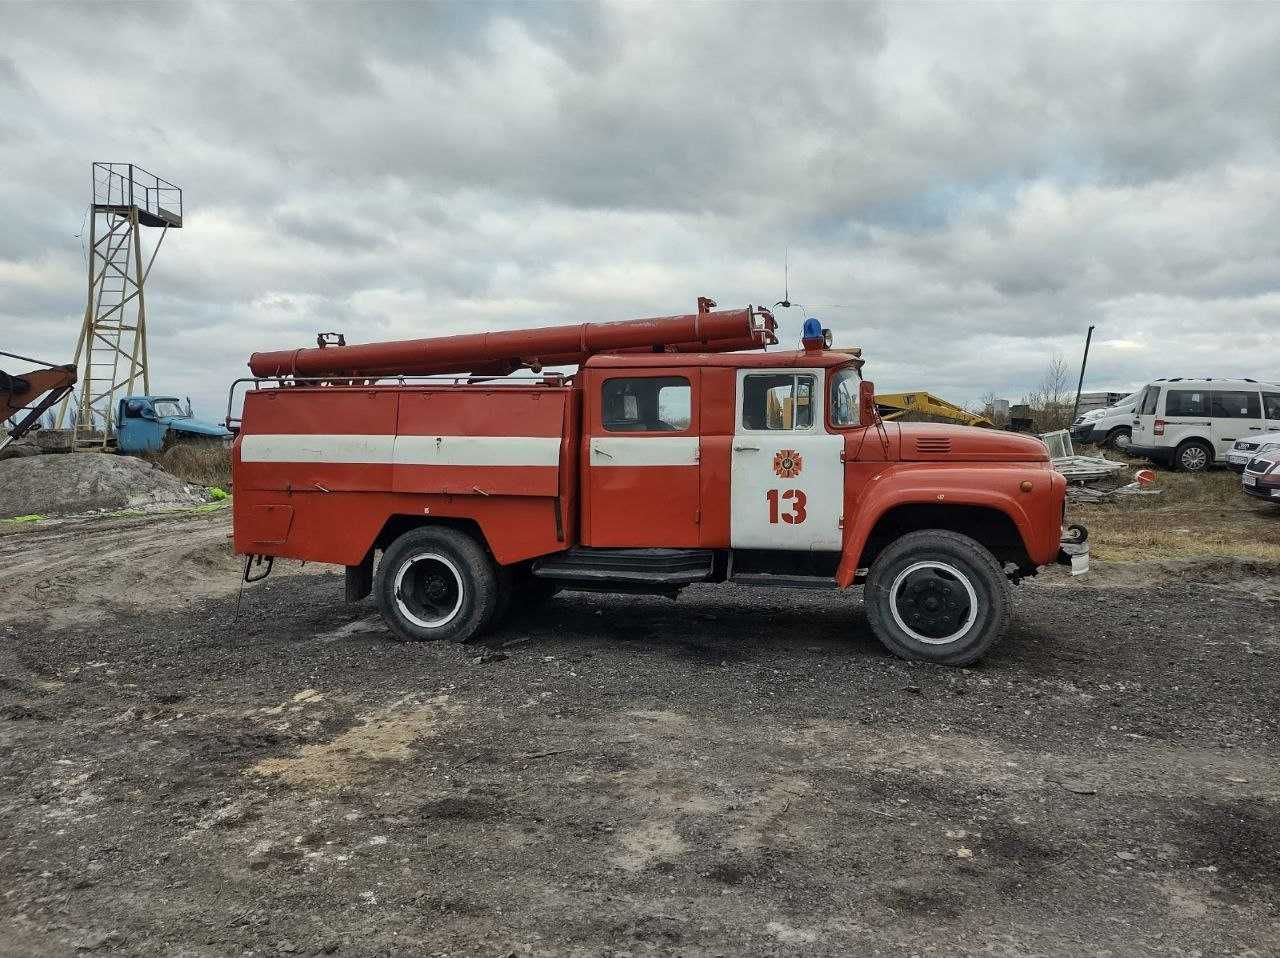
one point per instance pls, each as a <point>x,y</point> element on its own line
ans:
<point>1036,514</point>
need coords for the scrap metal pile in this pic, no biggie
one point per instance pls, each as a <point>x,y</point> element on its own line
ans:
<point>1093,478</point>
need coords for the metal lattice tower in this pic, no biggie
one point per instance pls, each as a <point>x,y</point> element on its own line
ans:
<point>112,350</point>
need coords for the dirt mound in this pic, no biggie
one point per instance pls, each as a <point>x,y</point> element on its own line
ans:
<point>79,483</point>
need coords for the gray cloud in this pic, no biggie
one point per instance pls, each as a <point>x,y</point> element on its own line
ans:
<point>963,188</point>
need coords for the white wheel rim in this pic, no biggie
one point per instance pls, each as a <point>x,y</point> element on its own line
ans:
<point>1123,440</point>
<point>1194,458</point>
<point>404,607</point>
<point>896,588</point>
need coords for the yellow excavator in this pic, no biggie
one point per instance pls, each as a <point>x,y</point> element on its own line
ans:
<point>920,406</point>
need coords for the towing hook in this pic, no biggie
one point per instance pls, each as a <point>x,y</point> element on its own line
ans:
<point>254,562</point>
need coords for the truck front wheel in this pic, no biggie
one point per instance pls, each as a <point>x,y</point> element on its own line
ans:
<point>938,596</point>
<point>436,583</point>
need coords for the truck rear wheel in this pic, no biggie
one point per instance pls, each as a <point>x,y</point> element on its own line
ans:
<point>436,583</point>
<point>938,596</point>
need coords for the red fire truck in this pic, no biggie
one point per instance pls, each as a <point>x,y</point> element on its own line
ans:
<point>458,480</point>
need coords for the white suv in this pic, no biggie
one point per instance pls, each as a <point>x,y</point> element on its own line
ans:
<point>1193,423</point>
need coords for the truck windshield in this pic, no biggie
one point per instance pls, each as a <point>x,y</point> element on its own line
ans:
<point>844,398</point>
<point>167,407</point>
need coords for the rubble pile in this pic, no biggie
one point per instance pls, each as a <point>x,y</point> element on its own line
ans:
<point>80,483</point>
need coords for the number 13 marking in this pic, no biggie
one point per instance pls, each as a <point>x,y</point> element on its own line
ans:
<point>795,498</point>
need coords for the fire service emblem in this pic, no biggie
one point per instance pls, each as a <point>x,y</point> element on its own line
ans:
<point>787,464</point>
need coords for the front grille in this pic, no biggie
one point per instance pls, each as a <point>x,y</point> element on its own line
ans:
<point>1247,446</point>
<point>1258,467</point>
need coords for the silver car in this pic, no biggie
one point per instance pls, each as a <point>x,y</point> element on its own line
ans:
<point>1243,450</point>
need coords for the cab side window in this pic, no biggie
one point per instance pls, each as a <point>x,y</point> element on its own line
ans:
<point>777,401</point>
<point>1186,402</point>
<point>1235,404</point>
<point>646,404</point>
<point>1271,402</point>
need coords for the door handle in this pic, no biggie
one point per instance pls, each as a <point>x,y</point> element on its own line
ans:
<point>1255,429</point>
<point>746,448</point>
<point>600,452</point>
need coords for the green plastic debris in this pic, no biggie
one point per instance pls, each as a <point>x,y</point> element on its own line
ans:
<point>217,493</point>
<point>27,519</point>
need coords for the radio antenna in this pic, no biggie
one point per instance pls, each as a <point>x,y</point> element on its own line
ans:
<point>785,302</point>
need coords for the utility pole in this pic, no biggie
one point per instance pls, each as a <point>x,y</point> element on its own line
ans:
<point>1075,410</point>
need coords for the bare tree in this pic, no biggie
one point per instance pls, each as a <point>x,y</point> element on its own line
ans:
<point>986,406</point>
<point>1052,398</point>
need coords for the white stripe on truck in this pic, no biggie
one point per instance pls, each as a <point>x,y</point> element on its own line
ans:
<point>403,450</point>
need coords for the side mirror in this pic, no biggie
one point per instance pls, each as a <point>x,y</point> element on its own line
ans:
<point>866,402</point>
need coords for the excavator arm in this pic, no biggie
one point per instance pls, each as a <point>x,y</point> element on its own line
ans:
<point>30,394</point>
<point>928,407</point>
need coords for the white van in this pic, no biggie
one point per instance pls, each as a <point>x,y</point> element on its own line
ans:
<point>1192,423</point>
<point>1111,427</point>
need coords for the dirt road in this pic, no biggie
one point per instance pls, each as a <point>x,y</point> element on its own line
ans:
<point>738,773</point>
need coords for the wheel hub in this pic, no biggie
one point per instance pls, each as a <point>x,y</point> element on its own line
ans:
<point>429,590</point>
<point>933,602</point>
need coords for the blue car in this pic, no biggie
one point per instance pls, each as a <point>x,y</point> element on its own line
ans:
<point>150,423</point>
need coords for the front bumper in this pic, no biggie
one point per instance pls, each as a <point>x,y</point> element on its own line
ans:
<point>1236,461</point>
<point>1083,433</point>
<point>1073,551</point>
<point>1266,486</point>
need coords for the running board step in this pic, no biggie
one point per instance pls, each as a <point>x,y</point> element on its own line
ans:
<point>766,581</point>
<point>648,566</point>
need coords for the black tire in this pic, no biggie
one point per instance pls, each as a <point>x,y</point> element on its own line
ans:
<point>1194,455</point>
<point>1118,438</point>
<point>447,585</point>
<point>966,592</point>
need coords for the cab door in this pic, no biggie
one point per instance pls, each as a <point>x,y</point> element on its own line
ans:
<point>787,475</point>
<point>642,459</point>
<point>1142,432</point>
<point>137,429</point>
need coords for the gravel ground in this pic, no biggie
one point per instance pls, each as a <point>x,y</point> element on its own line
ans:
<point>738,773</point>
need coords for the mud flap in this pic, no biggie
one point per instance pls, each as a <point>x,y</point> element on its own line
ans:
<point>359,579</point>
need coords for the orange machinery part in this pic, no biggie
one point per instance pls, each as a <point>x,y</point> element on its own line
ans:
<point>504,352</point>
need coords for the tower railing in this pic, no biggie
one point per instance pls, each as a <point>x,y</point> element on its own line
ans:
<point>122,185</point>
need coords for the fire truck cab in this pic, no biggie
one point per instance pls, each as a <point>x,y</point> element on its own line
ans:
<point>459,503</point>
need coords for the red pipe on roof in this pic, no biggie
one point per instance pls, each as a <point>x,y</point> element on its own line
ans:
<point>546,346</point>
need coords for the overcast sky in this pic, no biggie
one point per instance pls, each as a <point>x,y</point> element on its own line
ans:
<point>963,189</point>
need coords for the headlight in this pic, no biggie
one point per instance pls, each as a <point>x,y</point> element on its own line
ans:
<point>1269,447</point>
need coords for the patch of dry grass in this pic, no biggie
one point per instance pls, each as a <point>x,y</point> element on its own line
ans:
<point>202,463</point>
<point>1195,516</point>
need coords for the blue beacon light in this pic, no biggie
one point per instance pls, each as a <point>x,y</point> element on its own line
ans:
<point>813,336</point>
